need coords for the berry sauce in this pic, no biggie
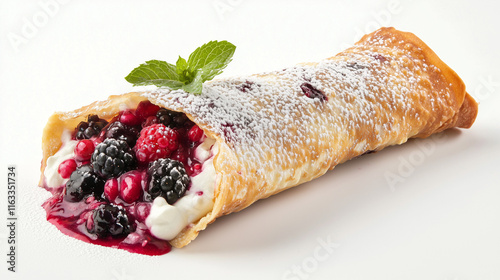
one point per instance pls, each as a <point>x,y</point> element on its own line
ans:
<point>123,204</point>
<point>71,219</point>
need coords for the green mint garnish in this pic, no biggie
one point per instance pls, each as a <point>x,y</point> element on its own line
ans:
<point>203,64</point>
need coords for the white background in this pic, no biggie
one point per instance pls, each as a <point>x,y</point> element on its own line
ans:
<point>440,221</point>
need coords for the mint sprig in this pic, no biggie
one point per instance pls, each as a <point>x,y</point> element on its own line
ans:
<point>203,64</point>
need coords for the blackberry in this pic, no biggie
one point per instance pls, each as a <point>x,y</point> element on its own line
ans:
<point>109,220</point>
<point>92,127</point>
<point>112,158</point>
<point>83,181</point>
<point>172,119</point>
<point>168,180</point>
<point>120,131</point>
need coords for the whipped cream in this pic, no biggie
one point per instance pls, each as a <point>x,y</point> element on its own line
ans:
<point>165,221</point>
<point>52,177</point>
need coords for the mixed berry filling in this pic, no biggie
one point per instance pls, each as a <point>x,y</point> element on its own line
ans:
<point>120,166</point>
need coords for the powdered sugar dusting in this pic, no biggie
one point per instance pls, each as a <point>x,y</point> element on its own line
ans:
<point>379,93</point>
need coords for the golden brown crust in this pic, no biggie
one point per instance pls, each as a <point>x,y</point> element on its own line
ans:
<point>439,82</point>
<point>468,106</point>
<point>441,77</point>
<point>467,113</point>
<point>420,96</point>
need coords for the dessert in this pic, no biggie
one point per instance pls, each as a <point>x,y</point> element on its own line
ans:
<point>144,170</point>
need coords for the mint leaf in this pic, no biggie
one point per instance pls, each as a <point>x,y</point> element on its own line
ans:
<point>203,64</point>
<point>212,57</point>
<point>181,65</point>
<point>182,70</point>
<point>155,72</point>
<point>196,85</point>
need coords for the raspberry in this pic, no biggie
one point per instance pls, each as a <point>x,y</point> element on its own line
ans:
<point>83,181</point>
<point>112,158</point>
<point>168,180</point>
<point>110,220</point>
<point>84,149</point>
<point>156,141</point>
<point>92,127</point>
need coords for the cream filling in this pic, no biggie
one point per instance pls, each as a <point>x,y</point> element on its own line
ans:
<point>165,221</point>
<point>52,177</point>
